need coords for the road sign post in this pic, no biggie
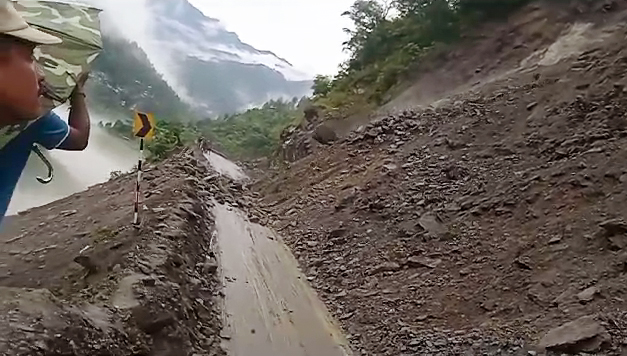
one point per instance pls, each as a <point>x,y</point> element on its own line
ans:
<point>144,127</point>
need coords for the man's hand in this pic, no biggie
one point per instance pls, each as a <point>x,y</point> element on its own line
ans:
<point>80,84</point>
<point>79,121</point>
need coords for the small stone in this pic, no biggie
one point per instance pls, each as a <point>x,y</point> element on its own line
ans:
<point>149,322</point>
<point>341,294</point>
<point>390,167</point>
<point>386,267</point>
<point>419,261</point>
<point>210,267</point>
<point>68,212</point>
<point>149,282</point>
<point>555,240</point>
<point>587,295</point>
<point>524,263</point>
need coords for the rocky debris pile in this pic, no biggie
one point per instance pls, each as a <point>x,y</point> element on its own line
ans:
<point>393,129</point>
<point>236,194</point>
<point>34,322</point>
<point>499,211</point>
<point>150,290</point>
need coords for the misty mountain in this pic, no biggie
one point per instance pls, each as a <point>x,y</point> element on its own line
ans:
<point>207,67</point>
<point>124,79</point>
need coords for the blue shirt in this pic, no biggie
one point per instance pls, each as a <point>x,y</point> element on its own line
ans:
<point>50,131</point>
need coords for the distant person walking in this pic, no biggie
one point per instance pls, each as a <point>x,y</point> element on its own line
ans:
<point>22,122</point>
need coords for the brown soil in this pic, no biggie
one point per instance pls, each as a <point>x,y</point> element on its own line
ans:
<point>77,279</point>
<point>477,226</point>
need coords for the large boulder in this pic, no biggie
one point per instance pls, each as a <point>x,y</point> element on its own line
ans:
<point>585,334</point>
<point>324,134</point>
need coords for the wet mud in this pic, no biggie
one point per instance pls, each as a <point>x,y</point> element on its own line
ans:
<point>269,307</point>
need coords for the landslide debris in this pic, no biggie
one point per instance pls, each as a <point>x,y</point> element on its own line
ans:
<point>486,224</point>
<point>78,279</point>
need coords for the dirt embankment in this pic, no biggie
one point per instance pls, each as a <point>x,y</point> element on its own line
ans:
<point>77,279</point>
<point>482,224</point>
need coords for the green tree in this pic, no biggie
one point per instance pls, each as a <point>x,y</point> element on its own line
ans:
<point>388,39</point>
<point>366,16</point>
<point>255,132</point>
<point>322,85</point>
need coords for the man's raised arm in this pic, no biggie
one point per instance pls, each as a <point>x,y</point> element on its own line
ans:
<point>78,120</point>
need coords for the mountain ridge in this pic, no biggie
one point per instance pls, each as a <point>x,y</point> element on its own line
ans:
<point>210,68</point>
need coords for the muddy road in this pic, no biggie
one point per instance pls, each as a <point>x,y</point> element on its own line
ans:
<point>269,307</point>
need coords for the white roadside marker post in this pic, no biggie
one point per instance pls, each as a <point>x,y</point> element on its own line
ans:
<point>144,126</point>
<point>138,185</point>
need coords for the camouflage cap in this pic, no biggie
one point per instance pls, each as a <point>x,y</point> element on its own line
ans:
<point>79,28</point>
<point>12,24</point>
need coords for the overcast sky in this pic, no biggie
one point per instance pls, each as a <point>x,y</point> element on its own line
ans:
<point>307,33</point>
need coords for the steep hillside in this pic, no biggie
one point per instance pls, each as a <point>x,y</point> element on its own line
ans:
<point>124,79</point>
<point>488,218</point>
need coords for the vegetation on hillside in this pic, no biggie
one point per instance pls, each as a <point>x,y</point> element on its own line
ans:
<point>250,134</point>
<point>389,39</point>
<point>169,136</point>
<point>123,80</point>
<point>255,132</point>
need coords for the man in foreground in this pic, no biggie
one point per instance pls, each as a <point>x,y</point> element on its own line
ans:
<point>20,92</point>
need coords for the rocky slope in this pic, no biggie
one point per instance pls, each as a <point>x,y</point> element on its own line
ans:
<point>491,222</point>
<point>487,221</point>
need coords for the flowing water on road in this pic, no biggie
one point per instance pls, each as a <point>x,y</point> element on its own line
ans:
<point>269,307</point>
<point>224,166</point>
